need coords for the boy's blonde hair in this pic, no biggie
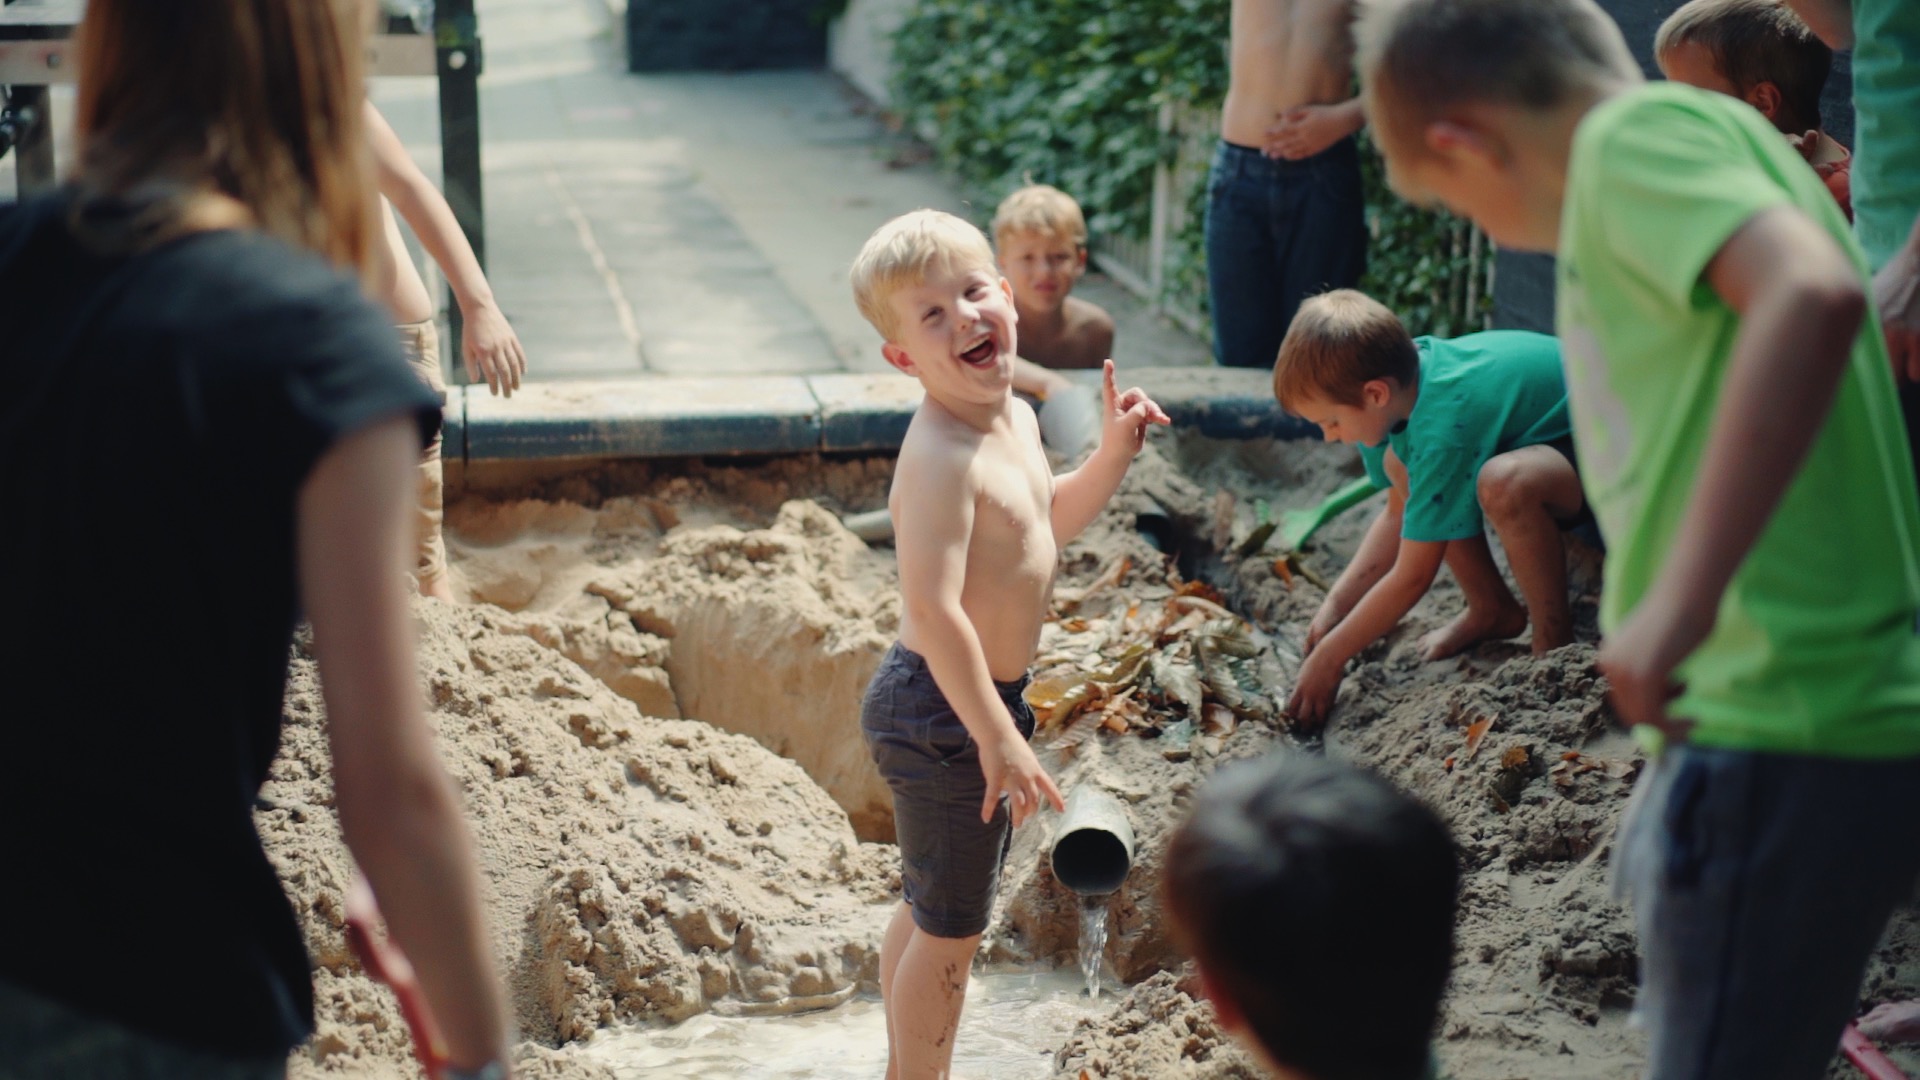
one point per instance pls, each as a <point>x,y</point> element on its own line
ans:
<point>902,251</point>
<point>1752,42</point>
<point>1339,342</point>
<point>1040,209</point>
<point>1421,59</point>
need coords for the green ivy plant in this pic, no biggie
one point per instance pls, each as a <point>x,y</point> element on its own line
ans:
<point>1068,92</point>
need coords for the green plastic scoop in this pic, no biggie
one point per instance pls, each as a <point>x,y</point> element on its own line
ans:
<point>1297,525</point>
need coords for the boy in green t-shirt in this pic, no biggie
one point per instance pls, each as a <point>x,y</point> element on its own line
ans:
<point>1742,448</point>
<point>1457,431</point>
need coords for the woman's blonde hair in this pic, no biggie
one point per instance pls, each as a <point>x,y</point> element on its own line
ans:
<point>257,100</point>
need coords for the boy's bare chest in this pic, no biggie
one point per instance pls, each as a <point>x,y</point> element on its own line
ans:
<point>1013,520</point>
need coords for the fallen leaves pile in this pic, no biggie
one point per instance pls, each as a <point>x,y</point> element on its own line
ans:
<point>1180,668</point>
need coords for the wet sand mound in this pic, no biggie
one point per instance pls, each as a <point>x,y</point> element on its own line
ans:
<point>634,868</point>
<point>711,596</point>
<point>645,868</point>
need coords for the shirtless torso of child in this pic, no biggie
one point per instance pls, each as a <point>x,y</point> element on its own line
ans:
<point>394,281</point>
<point>1009,548</point>
<point>1079,335</point>
<point>1284,53</point>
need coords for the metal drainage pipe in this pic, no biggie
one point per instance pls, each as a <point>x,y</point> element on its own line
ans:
<point>1093,844</point>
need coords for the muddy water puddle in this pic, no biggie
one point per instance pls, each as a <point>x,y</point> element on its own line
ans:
<point>1012,1025</point>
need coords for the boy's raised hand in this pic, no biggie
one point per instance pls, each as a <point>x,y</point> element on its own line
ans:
<point>1127,414</point>
<point>1010,766</point>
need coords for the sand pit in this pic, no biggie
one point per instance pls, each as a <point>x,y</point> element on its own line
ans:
<point>651,709</point>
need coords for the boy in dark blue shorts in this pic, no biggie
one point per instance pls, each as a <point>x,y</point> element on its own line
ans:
<point>979,519</point>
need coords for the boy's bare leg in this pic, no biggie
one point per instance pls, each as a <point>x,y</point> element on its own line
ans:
<point>1526,494</point>
<point>929,989</point>
<point>1491,613</point>
<point>892,948</point>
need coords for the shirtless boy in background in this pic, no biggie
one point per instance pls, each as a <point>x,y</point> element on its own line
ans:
<point>1285,219</point>
<point>491,349</point>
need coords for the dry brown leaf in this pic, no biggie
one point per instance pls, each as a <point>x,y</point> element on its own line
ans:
<point>1077,732</point>
<point>1200,589</point>
<point>1476,733</point>
<point>1571,755</point>
<point>1447,764</point>
<point>1115,723</point>
<point>1185,603</point>
<point>1283,571</point>
<point>1217,719</point>
<point>1516,757</point>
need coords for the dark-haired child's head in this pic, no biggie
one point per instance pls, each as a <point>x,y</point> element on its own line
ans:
<point>1319,904</point>
<point>1755,50</point>
<point>1472,102</point>
<point>1342,365</point>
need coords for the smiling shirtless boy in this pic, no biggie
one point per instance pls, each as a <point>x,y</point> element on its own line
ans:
<point>979,520</point>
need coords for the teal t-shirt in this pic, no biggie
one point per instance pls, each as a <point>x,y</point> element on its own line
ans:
<point>1886,103</point>
<point>1480,395</point>
<point>1814,649</point>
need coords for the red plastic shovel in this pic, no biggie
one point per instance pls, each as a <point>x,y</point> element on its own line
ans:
<point>1867,1057</point>
<point>386,963</point>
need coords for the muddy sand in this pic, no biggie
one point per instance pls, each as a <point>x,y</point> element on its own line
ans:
<point>651,709</point>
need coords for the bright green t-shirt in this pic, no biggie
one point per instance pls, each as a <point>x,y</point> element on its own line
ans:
<point>1815,650</point>
<point>1480,395</point>
<point>1886,103</point>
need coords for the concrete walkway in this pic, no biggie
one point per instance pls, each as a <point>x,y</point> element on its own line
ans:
<point>688,224</point>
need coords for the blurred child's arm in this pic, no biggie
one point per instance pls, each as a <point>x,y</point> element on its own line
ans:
<point>1308,129</point>
<point>1035,381</point>
<point>1375,557</point>
<point>399,813</point>
<point>1830,20</point>
<point>933,526</point>
<point>1896,292</point>
<point>1801,304</point>
<point>1079,496</point>
<point>492,350</point>
<point>1379,611</point>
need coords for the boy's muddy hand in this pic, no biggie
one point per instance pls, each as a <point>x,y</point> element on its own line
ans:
<point>1323,623</point>
<point>1127,414</point>
<point>492,350</point>
<point>1314,691</point>
<point>1011,767</point>
<point>1639,662</point>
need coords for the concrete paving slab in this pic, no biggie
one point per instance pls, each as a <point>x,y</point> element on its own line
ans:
<point>865,412</point>
<point>1222,403</point>
<point>655,417</point>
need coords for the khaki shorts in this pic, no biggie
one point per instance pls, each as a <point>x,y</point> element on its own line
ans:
<point>421,341</point>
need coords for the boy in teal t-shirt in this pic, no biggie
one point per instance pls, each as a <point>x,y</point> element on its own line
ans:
<point>1460,432</point>
<point>1742,448</point>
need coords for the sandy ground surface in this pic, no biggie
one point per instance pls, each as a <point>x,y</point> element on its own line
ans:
<point>642,867</point>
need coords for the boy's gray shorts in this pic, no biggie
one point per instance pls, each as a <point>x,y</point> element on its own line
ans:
<point>1760,885</point>
<point>950,859</point>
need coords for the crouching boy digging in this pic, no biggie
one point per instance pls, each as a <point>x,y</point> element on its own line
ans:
<point>979,520</point>
<point>1461,432</point>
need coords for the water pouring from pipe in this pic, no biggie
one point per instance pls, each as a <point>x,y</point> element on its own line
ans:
<point>1092,854</point>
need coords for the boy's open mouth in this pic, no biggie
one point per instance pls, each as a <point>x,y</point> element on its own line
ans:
<point>982,354</point>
